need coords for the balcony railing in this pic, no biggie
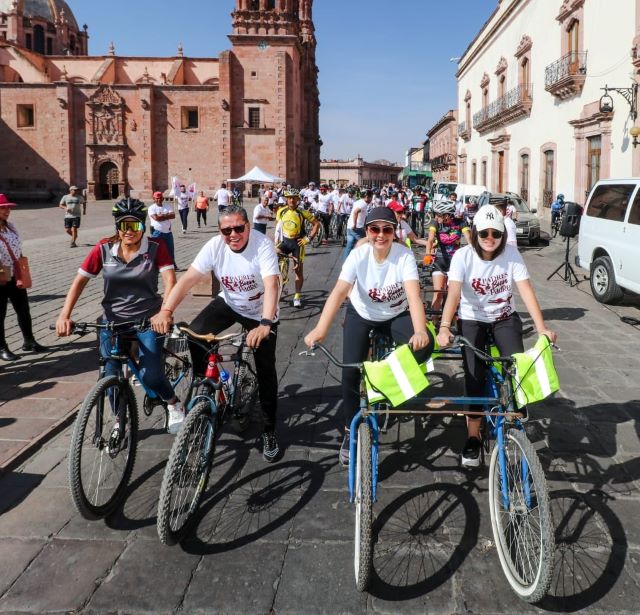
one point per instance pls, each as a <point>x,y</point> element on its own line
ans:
<point>464,131</point>
<point>565,77</point>
<point>514,104</point>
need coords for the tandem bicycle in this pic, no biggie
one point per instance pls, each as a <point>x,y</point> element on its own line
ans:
<point>519,506</point>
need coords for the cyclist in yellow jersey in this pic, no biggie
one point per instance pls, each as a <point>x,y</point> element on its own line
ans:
<point>291,222</point>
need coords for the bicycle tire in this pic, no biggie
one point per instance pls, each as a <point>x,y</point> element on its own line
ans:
<point>98,454</point>
<point>193,445</point>
<point>529,579</point>
<point>246,392</point>
<point>317,240</point>
<point>284,274</point>
<point>343,235</point>
<point>363,547</point>
<point>179,368</point>
<point>333,227</point>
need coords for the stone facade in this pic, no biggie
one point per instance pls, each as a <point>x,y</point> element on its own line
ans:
<point>529,91</point>
<point>126,125</point>
<point>358,172</point>
<point>443,137</point>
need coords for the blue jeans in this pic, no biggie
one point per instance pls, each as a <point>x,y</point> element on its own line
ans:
<point>168,239</point>
<point>353,236</point>
<point>150,360</point>
<point>184,215</point>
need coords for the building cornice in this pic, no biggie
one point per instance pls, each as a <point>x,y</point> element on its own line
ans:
<point>447,118</point>
<point>568,8</point>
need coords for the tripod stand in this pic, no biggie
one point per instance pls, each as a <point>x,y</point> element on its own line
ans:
<point>569,275</point>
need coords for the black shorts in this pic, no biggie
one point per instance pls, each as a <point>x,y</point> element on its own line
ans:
<point>441,266</point>
<point>72,222</point>
<point>291,246</point>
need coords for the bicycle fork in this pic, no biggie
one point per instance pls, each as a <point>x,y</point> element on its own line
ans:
<point>502,460</point>
<point>372,420</point>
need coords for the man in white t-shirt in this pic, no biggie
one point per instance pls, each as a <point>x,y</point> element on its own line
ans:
<point>310,195</point>
<point>324,208</point>
<point>183,198</point>
<point>355,223</point>
<point>224,198</point>
<point>161,216</point>
<point>246,264</point>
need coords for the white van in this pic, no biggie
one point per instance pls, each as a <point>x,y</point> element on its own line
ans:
<point>466,191</point>
<point>609,240</point>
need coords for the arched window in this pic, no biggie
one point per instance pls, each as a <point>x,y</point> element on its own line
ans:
<point>485,97</point>
<point>502,86</point>
<point>525,74</point>
<point>549,171</point>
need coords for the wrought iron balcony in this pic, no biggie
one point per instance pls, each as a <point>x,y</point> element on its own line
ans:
<point>566,76</point>
<point>516,103</point>
<point>464,132</point>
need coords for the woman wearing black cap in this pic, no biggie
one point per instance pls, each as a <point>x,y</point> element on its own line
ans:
<point>381,280</point>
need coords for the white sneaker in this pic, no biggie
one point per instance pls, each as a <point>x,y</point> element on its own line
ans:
<point>297,302</point>
<point>176,417</point>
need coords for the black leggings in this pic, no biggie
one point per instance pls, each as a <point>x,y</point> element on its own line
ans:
<point>507,335</point>
<point>218,316</point>
<point>201,214</point>
<point>325,219</point>
<point>20,302</point>
<point>355,347</point>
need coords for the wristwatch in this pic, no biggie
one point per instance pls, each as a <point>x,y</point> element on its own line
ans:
<point>265,322</point>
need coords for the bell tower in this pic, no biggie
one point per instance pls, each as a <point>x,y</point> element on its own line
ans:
<point>273,90</point>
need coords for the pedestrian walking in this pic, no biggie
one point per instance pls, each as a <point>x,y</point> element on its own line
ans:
<point>183,199</point>
<point>223,197</point>
<point>12,285</point>
<point>74,206</point>
<point>202,207</point>
<point>161,216</point>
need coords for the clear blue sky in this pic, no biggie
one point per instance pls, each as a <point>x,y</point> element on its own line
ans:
<point>385,74</point>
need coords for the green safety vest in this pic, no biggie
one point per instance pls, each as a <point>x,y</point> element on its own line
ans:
<point>535,375</point>
<point>396,378</point>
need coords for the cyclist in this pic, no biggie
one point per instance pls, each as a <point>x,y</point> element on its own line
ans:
<point>291,220</point>
<point>355,223</point>
<point>380,279</point>
<point>556,208</point>
<point>246,264</point>
<point>403,231</point>
<point>445,233</point>
<point>343,208</point>
<point>324,209</point>
<point>130,264</point>
<point>481,280</point>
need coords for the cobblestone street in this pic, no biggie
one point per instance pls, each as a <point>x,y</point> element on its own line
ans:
<point>279,538</point>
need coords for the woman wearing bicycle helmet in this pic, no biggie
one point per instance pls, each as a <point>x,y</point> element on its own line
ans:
<point>130,264</point>
<point>380,278</point>
<point>481,280</point>
<point>445,233</point>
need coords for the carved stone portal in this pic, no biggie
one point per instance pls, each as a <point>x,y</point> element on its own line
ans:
<point>106,117</point>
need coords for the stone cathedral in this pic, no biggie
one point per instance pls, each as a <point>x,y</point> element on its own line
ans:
<point>125,125</point>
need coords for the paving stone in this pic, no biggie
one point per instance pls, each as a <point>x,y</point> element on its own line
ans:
<point>308,574</point>
<point>324,518</point>
<point>16,554</point>
<point>47,511</point>
<point>243,580</point>
<point>62,577</point>
<point>121,590</point>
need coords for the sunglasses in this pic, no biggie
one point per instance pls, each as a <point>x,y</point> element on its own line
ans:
<point>492,233</point>
<point>230,229</point>
<point>385,230</point>
<point>130,225</point>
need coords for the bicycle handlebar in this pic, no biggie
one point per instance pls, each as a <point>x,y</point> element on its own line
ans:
<point>331,357</point>
<point>210,338</point>
<point>80,328</point>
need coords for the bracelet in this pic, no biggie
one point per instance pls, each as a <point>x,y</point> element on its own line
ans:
<point>166,310</point>
<point>445,326</point>
<point>446,323</point>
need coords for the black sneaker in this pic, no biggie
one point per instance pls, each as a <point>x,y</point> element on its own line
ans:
<point>343,454</point>
<point>471,453</point>
<point>270,449</point>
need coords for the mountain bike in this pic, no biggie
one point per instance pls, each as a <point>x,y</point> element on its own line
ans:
<point>217,398</point>
<point>286,263</point>
<point>556,223</point>
<point>105,435</point>
<point>519,504</point>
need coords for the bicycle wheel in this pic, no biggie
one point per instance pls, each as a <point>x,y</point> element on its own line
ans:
<point>178,367</point>
<point>363,554</point>
<point>554,229</point>
<point>343,234</point>
<point>103,448</point>
<point>284,273</point>
<point>245,392</point>
<point>317,240</point>
<point>333,227</point>
<point>186,474</point>
<point>524,534</point>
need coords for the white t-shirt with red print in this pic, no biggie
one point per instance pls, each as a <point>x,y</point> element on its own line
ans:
<point>241,274</point>
<point>378,292</point>
<point>487,286</point>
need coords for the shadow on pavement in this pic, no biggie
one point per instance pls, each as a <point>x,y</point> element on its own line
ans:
<point>421,539</point>
<point>591,549</point>
<point>15,487</point>
<point>564,313</point>
<point>255,506</point>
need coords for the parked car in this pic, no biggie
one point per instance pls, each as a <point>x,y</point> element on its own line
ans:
<point>527,223</point>
<point>609,240</point>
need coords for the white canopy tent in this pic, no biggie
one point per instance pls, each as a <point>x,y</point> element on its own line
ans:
<point>257,176</point>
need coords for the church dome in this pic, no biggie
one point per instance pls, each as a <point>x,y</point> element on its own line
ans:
<point>49,10</point>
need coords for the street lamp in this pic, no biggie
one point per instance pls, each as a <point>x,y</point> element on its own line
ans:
<point>634,131</point>
<point>629,94</point>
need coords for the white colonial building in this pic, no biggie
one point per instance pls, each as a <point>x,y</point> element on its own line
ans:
<point>531,115</point>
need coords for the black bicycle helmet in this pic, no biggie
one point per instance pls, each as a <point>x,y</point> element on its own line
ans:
<point>381,214</point>
<point>129,208</point>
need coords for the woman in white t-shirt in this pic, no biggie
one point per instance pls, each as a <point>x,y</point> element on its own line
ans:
<point>380,279</point>
<point>482,277</point>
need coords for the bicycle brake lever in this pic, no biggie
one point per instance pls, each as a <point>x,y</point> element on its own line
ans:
<point>307,353</point>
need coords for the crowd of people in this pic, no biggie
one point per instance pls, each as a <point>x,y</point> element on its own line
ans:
<point>379,281</point>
